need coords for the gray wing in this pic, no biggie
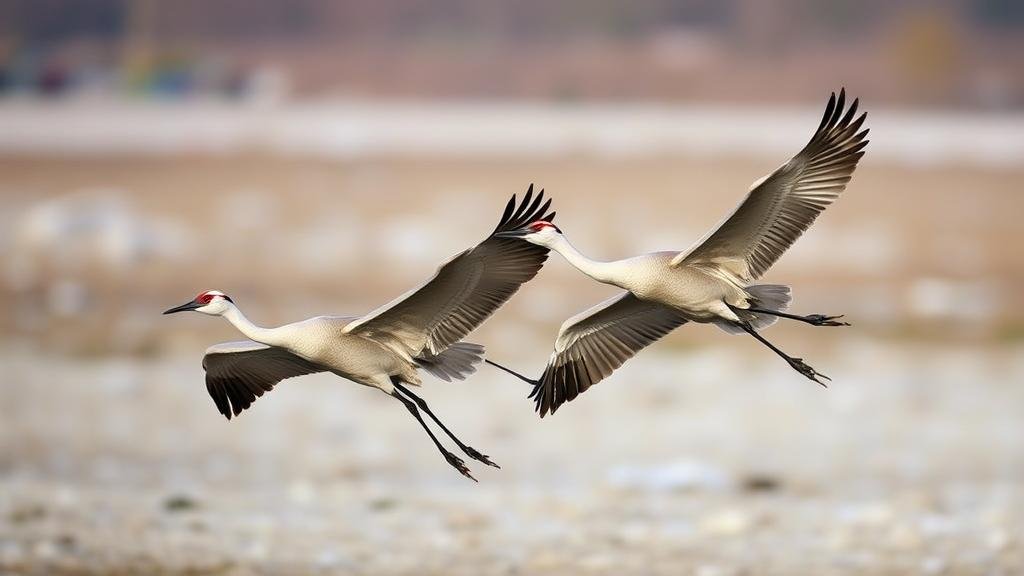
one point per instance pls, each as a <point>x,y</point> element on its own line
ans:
<point>592,344</point>
<point>237,373</point>
<point>465,291</point>
<point>781,206</point>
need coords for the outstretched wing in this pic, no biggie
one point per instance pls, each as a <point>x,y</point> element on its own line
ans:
<point>237,373</point>
<point>781,206</point>
<point>465,291</point>
<point>592,344</point>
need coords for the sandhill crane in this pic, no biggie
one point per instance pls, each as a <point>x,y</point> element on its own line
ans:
<point>711,282</point>
<point>384,349</point>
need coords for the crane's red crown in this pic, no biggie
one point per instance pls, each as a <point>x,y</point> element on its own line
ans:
<point>542,224</point>
<point>205,298</point>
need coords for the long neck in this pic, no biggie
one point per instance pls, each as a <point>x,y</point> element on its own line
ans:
<point>606,272</point>
<point>269,336</point>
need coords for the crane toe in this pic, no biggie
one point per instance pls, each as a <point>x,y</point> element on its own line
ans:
<point>802,367</point>
<point>459,465</point>
<point>822,320</point>
<point>479,457</point>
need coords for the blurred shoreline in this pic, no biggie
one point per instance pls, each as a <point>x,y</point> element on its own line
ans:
<point>352,129</point>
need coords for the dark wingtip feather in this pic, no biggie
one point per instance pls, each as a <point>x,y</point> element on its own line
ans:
<point>544,208</point>
<point>530,209</point>
<point>829,108</point>
<point>526,214</point>
<point>854,126</point>
<point>509,207</point>
<point>838,123</point>
<point>220,397</point>
<point>849,113</point>
<point>536,202</point>
<point>837,113</point>
<point>530,214</point>
<point>526,198</point>
<point>537,211</point>
<point>522,205</point>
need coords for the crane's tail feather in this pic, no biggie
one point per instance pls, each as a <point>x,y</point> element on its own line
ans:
<point>765,296</point>
<point>770,296</point>
<point>456,362</point>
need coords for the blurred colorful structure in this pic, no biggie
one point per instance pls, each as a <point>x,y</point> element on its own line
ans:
<point>948,53</point>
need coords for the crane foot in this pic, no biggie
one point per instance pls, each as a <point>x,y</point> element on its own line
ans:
<point>476,455</point>
<point>800,366</point>
<point>459,465</point>
<point>822,320</point>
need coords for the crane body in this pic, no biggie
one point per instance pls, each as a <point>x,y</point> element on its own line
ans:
<point>385,349</point>
<point>715,281</point>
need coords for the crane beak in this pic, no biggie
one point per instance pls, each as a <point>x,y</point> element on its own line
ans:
<point>513,233</point>
<point>184,307</point>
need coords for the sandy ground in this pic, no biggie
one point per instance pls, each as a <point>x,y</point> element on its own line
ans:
<point>682,463</point>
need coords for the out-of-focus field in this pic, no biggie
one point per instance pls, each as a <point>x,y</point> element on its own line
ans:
<point>92,247</point>
<point>704,455</point>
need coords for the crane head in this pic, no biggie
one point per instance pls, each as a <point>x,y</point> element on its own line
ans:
<point>540,232</point>
<point>212,302</point>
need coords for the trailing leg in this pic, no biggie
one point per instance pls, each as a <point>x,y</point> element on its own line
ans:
<point>422,404</point>
<point>812,319</point>
<point>452,459</point>
<point>796,363</point>
<point>529,381</point>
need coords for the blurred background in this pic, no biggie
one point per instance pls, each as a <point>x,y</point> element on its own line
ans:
<point>312,157</point>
